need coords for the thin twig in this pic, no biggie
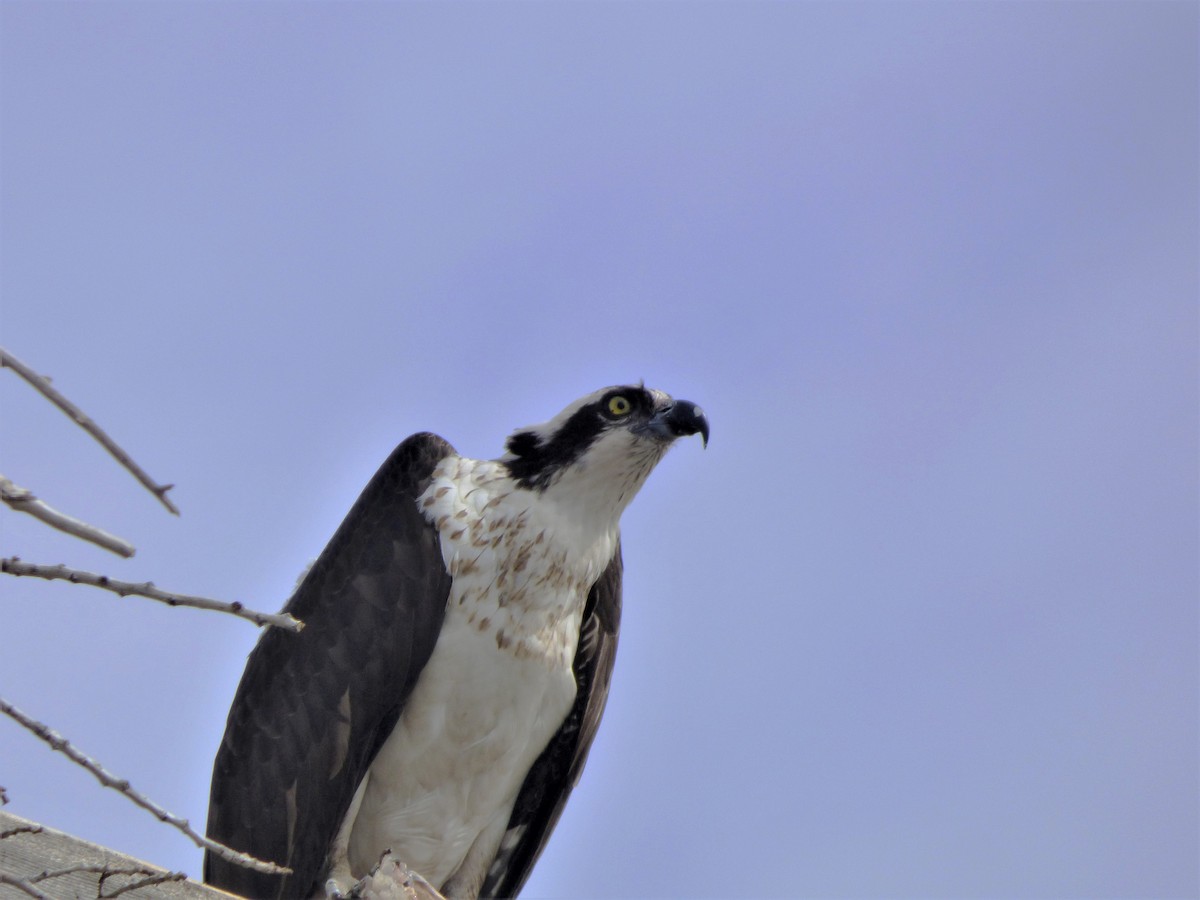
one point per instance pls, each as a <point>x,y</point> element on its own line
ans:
<point>24,886</point>
<point>24,500</point>
<point>151,879</point>
<point>14,566</point>
<point>102,869</point>
<point>122,786</point>
<point>42,384</point>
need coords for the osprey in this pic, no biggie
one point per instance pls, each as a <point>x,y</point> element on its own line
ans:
<point>459,636</point>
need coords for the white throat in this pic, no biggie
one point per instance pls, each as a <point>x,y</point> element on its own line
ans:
<point>590,494</point>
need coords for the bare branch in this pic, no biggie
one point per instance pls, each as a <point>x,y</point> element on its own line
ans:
<point>122,786</point>
<point>103,870</point>
<point>14,566</point>
<point>151,878</point>
<point>27,885</point>
<point>24,886</point>
<point>24,500</point>
<point>42,384</point>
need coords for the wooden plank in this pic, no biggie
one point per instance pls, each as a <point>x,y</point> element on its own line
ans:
<point>28,849</point>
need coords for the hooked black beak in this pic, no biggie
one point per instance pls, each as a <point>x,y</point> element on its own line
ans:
<point>681,418</point>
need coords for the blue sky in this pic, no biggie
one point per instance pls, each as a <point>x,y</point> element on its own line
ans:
<point>921,622</point>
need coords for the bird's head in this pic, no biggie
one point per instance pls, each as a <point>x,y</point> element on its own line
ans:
<point>603,444</point>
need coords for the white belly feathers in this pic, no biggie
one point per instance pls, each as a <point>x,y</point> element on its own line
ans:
<point>499,682</point>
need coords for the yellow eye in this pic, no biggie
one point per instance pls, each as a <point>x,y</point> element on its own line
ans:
<point>619,406</point>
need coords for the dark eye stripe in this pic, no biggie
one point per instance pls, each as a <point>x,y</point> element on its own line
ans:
<point>637,398</point>
<point>538,457</point>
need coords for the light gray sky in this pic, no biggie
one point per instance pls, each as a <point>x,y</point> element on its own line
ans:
<point>921,622</point>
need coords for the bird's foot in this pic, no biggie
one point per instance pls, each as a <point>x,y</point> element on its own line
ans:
<point>391,879</point>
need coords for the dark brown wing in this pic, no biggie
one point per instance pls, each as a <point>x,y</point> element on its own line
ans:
<point>314,707</point>
<point>556,772</point>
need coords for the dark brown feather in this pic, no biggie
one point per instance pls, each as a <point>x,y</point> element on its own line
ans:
<point>372,607</point>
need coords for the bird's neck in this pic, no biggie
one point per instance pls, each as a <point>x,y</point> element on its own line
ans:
<point>588,497</point>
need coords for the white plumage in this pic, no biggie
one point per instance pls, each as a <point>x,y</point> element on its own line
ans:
<point>499,682</point>
<point>471,595</point>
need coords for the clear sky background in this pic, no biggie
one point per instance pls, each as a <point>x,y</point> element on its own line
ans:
<point>921,622</point>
